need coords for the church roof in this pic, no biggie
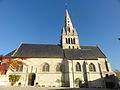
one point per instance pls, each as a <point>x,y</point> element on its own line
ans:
<point>38,50</point>
<point>55,51</point>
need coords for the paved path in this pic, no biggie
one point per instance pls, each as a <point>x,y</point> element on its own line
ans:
<point>39,88</point>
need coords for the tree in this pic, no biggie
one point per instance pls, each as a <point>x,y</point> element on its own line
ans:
<point>77,82</point>
<point>10,63</point>
<point>13,78</point>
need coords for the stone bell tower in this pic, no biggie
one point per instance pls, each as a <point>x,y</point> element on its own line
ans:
<point>69,38</point>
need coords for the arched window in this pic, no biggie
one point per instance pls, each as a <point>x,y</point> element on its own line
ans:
<point>78,67</point>
<point>59,67</point>
<point>46,67</point>
<point>68,40</point>
<point>69,46</point>
<point>92,67</point>
<point>73,40</point>
<point>69,29</point>
<point>19,68</point>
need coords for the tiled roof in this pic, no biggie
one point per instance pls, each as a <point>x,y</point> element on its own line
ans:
<point>55,51</point>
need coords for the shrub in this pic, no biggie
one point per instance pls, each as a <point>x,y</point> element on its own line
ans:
<point>13,78</point>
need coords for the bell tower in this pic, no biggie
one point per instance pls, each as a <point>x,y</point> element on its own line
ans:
<point>69,38</point>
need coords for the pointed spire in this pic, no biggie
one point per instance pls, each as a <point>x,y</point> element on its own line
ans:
<point>63,31</point>
<point>68,22</point>
<point>69,38</point>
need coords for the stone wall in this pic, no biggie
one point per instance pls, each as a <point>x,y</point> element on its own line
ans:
<point>64,78</point>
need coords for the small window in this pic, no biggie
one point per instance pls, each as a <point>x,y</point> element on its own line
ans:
<point>59,67</point>
<point>45,67</point>
<point>73,47</point>
<point>78,67</point>
<point>69,46</point>
<point>19,68</point>
<point>92,67</point>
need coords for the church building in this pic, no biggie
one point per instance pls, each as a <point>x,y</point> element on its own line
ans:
<point>67,64</point>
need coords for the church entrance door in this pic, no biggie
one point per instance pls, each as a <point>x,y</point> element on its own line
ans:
<point>31,79</point>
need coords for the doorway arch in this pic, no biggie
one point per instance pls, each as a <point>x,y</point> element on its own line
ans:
<point>31,79</point>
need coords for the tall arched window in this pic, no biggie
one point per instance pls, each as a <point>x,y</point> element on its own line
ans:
<point>68,40</point>
<point>73,40</point>
<point>59,67</point>
<point>92,67</point>
<point>19,68</point>
<point>69,29</point>
<point>46,67</point>
<point>78,67</point>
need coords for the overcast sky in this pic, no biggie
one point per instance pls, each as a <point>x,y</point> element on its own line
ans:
<point>40,21</point>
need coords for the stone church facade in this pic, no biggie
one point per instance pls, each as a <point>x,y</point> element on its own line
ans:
<point>67,64</point>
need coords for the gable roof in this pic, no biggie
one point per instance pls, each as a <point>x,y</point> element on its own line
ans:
<point>55,51</point>
<point>76,54</point>
<point>96,51</point>
<point>10,54</point>
<point>39,50</point>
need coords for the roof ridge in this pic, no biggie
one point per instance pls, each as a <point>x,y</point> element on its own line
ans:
<point>51,44</point>
<point>89,46</point>
<point>39,44</point>
<point>16,49</point>
<point>101,50</point>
